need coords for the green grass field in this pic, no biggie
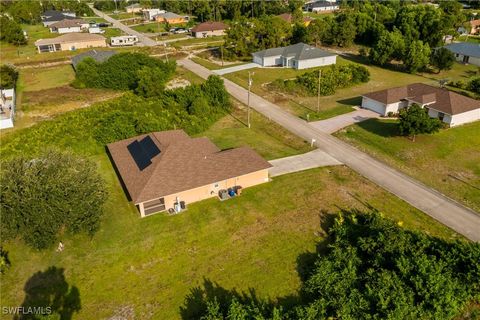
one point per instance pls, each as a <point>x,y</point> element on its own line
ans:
<point>448,161</point>
<point>112,32</point>
<point>217,40</point>
<point>149,265</point>
<point>343,99</point>
<point>34,79</point>
<point>150,27</point>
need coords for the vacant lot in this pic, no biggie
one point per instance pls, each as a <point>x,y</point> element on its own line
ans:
<point>344,99</point>
<point>152,27</point>
<point>447,161</point>
<point>34,79</point>
<point>253,241</point>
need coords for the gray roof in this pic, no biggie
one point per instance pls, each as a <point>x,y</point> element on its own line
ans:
<point>99,56</point>
<point>465,48</point>
<point>168,15</point>
<point>299,51</point>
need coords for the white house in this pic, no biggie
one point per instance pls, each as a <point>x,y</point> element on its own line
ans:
<point>322,6</point>
<point>69,26</point>
<point>7,108</point>
<point>297,56</point>
<point>51,16</point>
<point>149,14</point>
<point>209,29</point>
<point>123,41</point>
<point>466,52</point>
<point>448,106</point>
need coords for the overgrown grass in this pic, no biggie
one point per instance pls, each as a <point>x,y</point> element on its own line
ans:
<point>447,161</point>
<point>152,27</point>
<point>34,79</point>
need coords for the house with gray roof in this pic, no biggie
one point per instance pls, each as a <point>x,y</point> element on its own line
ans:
<point>465,52</point>
<point>97,55</point>
<point>297,56</point>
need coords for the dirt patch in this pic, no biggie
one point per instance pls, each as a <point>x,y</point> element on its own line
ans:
<point>177,83</point>
<point>64,94</point>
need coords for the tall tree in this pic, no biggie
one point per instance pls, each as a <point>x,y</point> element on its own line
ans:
<point>442,59</point>
<point>417,56</point>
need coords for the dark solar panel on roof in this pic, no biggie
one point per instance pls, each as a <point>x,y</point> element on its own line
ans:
<point>143,151</point>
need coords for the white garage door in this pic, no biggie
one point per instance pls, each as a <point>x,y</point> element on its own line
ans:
<point>373,105</point>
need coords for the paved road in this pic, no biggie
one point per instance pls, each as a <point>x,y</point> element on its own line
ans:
<point>452,214</point>
<point>344,120</point>
<point>236,68</point>
<point>117,24</point>
<point>313,159</point>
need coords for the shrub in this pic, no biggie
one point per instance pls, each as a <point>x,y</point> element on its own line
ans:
<point>11,31</point>
<point>415,120</point>
<point>474,85</point>
<point>45,194</point>
<point>8,76</point>
<point>332,78</point>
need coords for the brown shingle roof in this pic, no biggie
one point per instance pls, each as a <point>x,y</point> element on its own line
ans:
<point>445,101</point>
<point>209,26</point>
<point>475,23</point>
<point>70,37</point>
<point>66,23</point>
<point>184,163</point>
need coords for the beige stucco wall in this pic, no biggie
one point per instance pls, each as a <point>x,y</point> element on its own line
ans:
<point>204,34</point>
<point>211,190</point>
<point>82,45</point>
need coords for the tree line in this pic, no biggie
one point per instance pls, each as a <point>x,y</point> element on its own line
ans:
<point>371,268</point>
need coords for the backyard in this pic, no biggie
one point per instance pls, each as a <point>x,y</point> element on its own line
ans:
<point>447,161</point>
<point>344,99</point>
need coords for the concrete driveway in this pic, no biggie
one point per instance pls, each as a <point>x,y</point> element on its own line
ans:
<point>438,206</point>
<point>236,68</point>
<point>344,120</point>
<point>313,159</point>
<point>117,24</point>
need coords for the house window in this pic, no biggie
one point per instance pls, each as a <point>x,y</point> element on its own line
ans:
<point>215,185</point>
<point>154,206</point>
<point>441,115</point>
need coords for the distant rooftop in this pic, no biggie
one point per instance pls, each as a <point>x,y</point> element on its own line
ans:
<point>465,48</point>
<point>299,51</point>
<point>97,55</point>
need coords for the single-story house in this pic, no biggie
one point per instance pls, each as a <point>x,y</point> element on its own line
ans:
<point>123,41</point>
<point>288,17</point>
<point>97,55</point>
<point>96,30</point>
<point>169,170</point>
<point>134,8</point>
<point>69,25</point>
<point>466,52</point>
<point>170,18</point>
<point>70,41</point>
<point>322,6</point>
<point>149,14</point>
<point>474,26</point>
<point>448,106</point>
<point>208,29</point>
<point>7,108</point>
<point>297,56</point>
<point>52,16</point>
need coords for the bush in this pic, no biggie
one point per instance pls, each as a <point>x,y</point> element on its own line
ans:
<point>474,85</point>
<point>8,76</point>
<point>40,196</point>
<point>124,71</point>
<point>415,120</point>
<point>333,77</point>
<point>11,31</point>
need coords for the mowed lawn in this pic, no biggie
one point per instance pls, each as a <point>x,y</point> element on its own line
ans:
<point>253,241</point>
<point>449,161</point>
<point>344,99</point>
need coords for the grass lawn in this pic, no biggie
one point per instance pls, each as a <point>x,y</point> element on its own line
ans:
<point>473,39</point>
<point>112,32</point>
<point>150,27</point>
<point>124,15</point>
<point>34,79</point>
<point>344,99</point>
<point>448,161</point>
<point>253,241</point>
<point>217,40</point>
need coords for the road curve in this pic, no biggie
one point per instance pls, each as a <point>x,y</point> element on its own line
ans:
<point>117,24</point>
<point>443,209</point>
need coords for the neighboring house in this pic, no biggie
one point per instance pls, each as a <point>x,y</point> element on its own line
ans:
<point>448,106</point>
<point>208,29</point>
<point>169,170</point>
<point>297,56</point>
<point>51,16</point>
<point>170,18</point>
<point>7,108</point>
<point>70,41</point>
<point>69,25</point>
<point>134,8</point>
<point>149,14</point>
<point>288,17</point>
<point>466,52</point>
<point>123,41</point>
<point>474,26</point>
<point>462,31</point>
<point>96,30</point>
<point>322,6</point>
<point>97,55</point>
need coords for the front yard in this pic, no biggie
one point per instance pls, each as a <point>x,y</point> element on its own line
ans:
<point>447,161</point>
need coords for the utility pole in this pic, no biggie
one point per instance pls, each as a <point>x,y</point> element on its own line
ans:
<point>221,53</point>
<point>165,47</point>
<point>318,94</point>
<point>250,81</point>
